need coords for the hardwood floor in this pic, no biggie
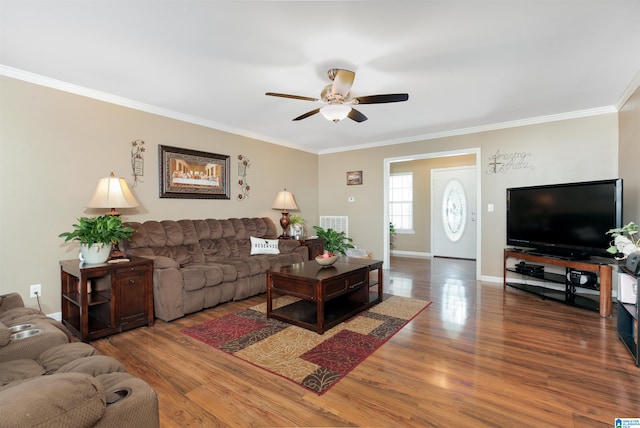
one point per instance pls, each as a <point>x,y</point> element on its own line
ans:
<point>478,356</point>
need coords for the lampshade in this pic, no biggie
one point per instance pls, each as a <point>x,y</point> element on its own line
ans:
<point>112,192</point>
<point>335,112</point>
<point>285,201</point>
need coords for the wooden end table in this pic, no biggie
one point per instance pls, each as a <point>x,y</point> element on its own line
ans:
<point>103,299</point>
<point>328,295</point>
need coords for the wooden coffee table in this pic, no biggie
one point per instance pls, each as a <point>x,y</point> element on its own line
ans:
<point>328,295</point>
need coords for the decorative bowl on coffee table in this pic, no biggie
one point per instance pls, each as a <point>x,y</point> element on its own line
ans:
<point>326,261</point>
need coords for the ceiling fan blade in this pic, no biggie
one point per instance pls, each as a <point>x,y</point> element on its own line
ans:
<point>380,99</point>
<point>306,115</point>
<point>295,97</point>
<point>342,81</point>
<point>356,115</point>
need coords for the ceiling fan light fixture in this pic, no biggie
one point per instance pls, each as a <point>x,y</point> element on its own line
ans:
<point>335,112</point>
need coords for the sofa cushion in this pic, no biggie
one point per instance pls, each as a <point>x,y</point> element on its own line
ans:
<point>222,248</point>
<point>233,247</point>
<point>55,357</point>
<point>239,231</point>
<point>228,230</point>
<point>215,228</point>
<point>180,254</point>
<point>9,316</point>
<point>189,232</point>
<point>264,246</point>
<point>94,365</point>
<point>139,238</point>
<point>244,247</point>
<point>155,233</point>
<point>252,228</point>
<point>173,232</point>
<point>59,400</point>
<point>193,278</point>
<point>13,370</point>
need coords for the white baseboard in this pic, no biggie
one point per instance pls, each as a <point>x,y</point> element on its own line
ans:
<point>411,254</point>
<point>56,316</point>
<point>487,278</point>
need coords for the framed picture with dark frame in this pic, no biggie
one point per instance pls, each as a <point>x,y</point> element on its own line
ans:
<point>354,177</point>
<point>192,174</point>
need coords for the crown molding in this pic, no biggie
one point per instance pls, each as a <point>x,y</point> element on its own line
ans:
<point>630,89</point>
<point>126,102</point>
<point>484,128</point>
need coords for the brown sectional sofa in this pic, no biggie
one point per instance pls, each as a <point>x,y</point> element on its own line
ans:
<point>46,381</point>
<point>199,264</point>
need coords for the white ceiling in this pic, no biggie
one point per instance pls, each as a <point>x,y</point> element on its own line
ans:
<point>465,64</point>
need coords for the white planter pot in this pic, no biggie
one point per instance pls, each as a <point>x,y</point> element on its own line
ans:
<point>297,231</point>
<point>94,254</point>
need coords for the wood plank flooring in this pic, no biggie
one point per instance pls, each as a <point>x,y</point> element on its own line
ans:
<point>478,356</point>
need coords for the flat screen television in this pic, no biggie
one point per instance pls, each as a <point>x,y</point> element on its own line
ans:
<point>568,220</point>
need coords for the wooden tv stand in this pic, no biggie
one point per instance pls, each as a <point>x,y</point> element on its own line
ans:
<point>601,267</point>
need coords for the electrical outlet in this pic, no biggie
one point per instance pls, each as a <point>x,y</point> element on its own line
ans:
<point>35,289</point>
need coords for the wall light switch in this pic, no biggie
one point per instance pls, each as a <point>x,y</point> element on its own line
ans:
<point>490,208</point>
<point>351,199</point>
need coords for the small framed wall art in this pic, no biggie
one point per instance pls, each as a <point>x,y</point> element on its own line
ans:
<point>354,177</point>
<point>193,174</point>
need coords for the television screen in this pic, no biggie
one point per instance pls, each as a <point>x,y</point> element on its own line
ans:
<point>565,219</point>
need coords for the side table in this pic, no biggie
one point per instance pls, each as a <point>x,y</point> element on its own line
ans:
<point>103,299</point>
<point>314,245</point>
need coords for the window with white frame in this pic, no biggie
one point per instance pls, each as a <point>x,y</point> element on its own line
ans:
<point>401,201</point>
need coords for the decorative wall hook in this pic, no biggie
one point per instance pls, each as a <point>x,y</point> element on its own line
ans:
<point>137,160</point>
<point>243,164</point>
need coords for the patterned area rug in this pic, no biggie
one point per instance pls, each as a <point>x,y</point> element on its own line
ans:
<point>313,361</point>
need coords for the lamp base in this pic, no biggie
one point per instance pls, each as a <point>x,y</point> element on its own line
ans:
<point>116,253</point>
<point>284,223</point>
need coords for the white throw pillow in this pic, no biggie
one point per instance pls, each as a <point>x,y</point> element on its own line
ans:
<point>264,246</point>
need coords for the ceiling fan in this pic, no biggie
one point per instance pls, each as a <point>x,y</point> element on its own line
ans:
<point>338,102</point>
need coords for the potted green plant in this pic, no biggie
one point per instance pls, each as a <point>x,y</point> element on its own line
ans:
<point>297,225</point>
<point>392,234</point>
<point>625,240</point>
<point>335,243</point>
<point>96,236</point>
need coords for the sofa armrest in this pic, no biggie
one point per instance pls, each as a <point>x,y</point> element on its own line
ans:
<point>288,245</point>
<point>163,262</point>
<point>66,399</point>
<point>303,251</point>
<point>10,301</point>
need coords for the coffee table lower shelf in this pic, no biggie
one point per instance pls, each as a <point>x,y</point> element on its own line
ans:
<point>326,295</point>
<point>304,313</point>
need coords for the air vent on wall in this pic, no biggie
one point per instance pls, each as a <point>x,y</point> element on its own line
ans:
<point>335,222</point>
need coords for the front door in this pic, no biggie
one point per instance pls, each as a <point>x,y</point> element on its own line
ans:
<point>454,212</point>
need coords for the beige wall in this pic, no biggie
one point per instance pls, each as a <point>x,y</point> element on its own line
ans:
<point>420,240</point>
<point>54,146</point>
<point>629,162</point>
<point>562,151</point>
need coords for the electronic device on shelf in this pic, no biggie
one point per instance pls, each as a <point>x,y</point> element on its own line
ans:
<point>627,288</point>
<point>583,279</point>
<point>569,220</point>
<point>633,262</point>
<point>529,269</point>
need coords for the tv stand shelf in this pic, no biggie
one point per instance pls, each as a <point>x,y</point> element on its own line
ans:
<point>566,295</point>
<point>628,315</point>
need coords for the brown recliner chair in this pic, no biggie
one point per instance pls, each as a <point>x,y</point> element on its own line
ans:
<point>26,332</point>
<point>65,384</point>
<point>14,313</point>
<point>71,385</point>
